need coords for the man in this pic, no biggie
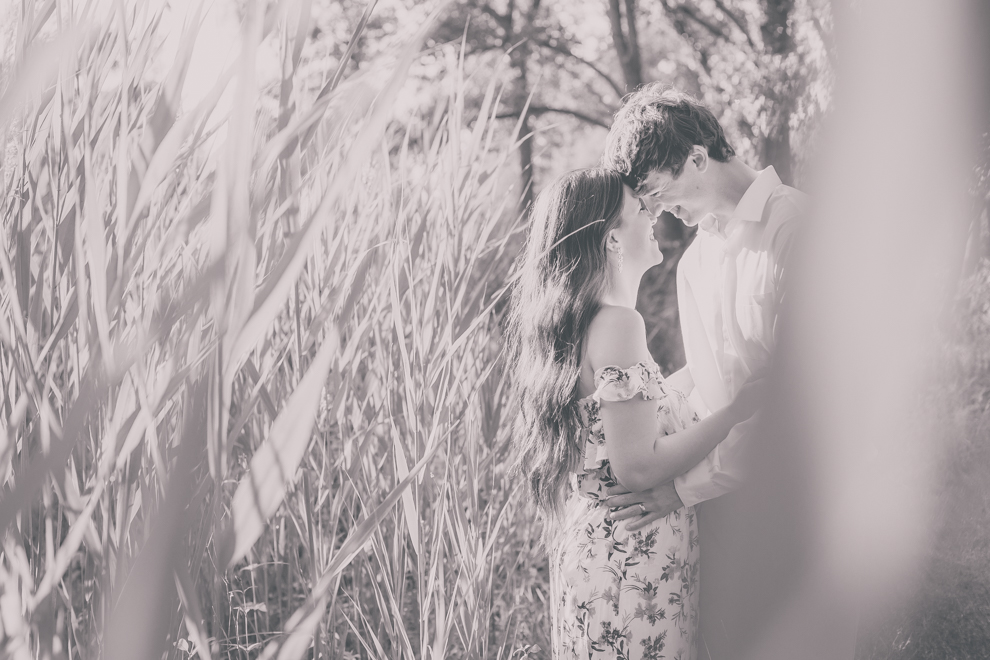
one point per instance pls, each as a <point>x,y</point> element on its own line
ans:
<point>730,282</point>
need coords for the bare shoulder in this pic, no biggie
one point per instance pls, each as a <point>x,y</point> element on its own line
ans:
<point>617,337</point>
<point>614,318</point>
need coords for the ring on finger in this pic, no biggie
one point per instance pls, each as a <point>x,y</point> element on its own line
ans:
<point>642,509</point>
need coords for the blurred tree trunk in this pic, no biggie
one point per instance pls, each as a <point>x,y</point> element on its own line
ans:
<point>778,43</point>
<point>518,36</point>
<point>626,41</point>
<point>521,94</point>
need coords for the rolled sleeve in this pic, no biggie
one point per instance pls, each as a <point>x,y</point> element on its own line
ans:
<point>721,471</point>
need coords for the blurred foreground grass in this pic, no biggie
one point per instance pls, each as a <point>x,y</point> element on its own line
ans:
<point>945,613</point>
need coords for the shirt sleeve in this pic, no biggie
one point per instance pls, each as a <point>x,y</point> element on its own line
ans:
<point>782,249</point>
<point>720,472</point>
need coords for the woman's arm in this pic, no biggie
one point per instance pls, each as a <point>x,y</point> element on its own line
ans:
<point>640,457</point>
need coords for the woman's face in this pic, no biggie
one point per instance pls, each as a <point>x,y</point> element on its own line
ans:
<point>635,234</point>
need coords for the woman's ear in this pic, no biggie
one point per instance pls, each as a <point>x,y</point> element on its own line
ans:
<point>611,242</point>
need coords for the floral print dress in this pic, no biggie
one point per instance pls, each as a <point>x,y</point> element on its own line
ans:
<point>620,595</point>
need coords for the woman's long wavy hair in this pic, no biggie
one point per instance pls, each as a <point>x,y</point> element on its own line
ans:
<point>559,289</point>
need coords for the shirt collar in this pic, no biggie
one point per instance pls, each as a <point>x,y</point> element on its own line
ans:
<point>754,200</point>
<point>750,206</point>
<point>710,224</point>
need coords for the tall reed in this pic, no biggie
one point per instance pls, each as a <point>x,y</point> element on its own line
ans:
<point>251,377</point>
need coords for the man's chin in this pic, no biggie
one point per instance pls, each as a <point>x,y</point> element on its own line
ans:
<point>697,220</point>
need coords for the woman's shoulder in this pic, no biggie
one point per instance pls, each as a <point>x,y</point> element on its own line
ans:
<point>617,336</point>
<point>617,320</point>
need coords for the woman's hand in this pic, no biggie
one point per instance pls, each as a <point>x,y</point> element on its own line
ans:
<point>641,509</point>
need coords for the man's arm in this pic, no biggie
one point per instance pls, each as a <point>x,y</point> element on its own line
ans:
<point>718,473</point>
<point>721,471</point>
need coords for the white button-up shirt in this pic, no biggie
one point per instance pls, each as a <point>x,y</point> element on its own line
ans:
<point>729,287</point>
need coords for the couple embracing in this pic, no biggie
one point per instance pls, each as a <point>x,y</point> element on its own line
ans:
<point>635,483</point>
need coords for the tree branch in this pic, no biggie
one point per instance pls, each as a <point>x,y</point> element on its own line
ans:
<point>738,21</point>
<point>691,13</point>
<point>563,50</point>
<point>541,110</point>
<point>680,26</point>
<point>503,22</point>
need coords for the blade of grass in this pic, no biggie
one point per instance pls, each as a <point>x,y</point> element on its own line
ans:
<point>298,628</point>
<point>275,462</point>
<point>277,289</point>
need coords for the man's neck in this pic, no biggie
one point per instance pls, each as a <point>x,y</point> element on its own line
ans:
<point>730,183</point>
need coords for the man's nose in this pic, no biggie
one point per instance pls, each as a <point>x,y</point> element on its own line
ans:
<point>655,208</point>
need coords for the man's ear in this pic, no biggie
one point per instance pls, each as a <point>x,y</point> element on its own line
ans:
<point>699,156</point>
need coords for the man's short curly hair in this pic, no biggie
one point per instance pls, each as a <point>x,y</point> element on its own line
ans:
<point>655,129</point>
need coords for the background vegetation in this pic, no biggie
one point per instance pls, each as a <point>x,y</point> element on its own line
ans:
<point>252,270</point>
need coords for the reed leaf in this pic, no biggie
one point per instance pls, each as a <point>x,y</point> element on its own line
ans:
<point>275,461</point>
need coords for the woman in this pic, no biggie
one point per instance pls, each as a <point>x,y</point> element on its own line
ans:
<point>595,411</point>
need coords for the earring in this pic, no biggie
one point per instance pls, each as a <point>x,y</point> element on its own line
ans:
<point>618,251</point>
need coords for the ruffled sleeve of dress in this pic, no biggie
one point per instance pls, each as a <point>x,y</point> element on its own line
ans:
<point>617,384</point>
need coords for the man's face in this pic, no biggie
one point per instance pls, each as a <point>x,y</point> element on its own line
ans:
<point>685,195</point>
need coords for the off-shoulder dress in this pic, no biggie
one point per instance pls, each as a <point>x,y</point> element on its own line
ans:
<point>620,595</point>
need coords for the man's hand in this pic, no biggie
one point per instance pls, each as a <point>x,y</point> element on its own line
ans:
<point>641,509</point>
<point>750,397</point>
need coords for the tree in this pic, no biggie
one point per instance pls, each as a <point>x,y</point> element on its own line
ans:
<point>547,76</point>
<point>622,18</point>
<point>759,78</point>
<point>779,86</point>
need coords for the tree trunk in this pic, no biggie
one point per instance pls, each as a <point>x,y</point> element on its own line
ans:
<point>519,59</point>
<point>526,163</point>
<point>777,143</point>
<point>626,41</point>
<point>778,43</point>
